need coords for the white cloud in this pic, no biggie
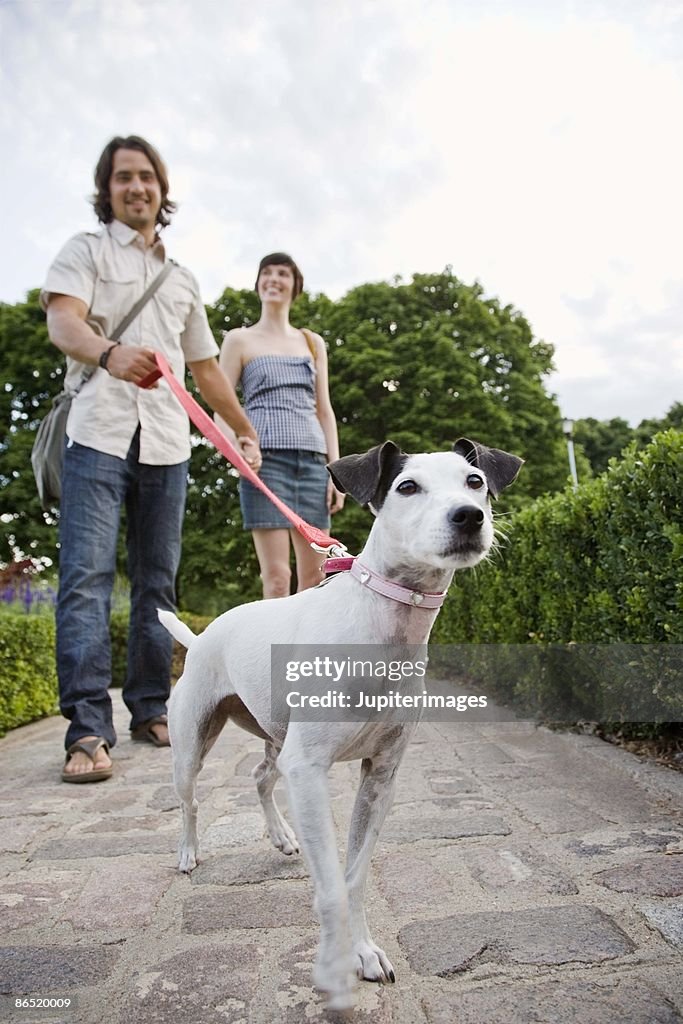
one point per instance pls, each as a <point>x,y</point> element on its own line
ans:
<point>534,147</point>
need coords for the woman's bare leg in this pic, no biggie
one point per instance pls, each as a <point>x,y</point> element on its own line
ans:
<point>272,551</point>
<point>308,562</point>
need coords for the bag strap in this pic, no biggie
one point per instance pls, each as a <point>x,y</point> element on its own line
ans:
<point>310,341</point>
<point>131,315</point>
<point>143,300</point>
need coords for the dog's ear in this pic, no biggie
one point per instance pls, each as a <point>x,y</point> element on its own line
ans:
<point>500,467</point>
<point>367,477</point>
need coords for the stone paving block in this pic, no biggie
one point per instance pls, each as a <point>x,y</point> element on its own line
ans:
<point>144,778</point>
<point>267,906</point>
<point>608,842</point>
<point>454,786</point>
<point>35,804</point>
<point>27,902</point>
<point>81,848</point>
<point>115,798</point>
<point>126,823</point>
<point>17,834</point>
<point>462,803</point>
<point>521,869</point>
<point>122,896</point>
<point>214,984</point>
<point>667,918</point>
<point>511,776</point>
<point>237,829</point>
<point>658,876</point>
<point>565,1001</point>
<point>447,826</point>
<point>617,800</point>
<point>552,811</point>
<point>411,787</point>
<point>483,753</point>
<point>410,883</point>
<point>249,868</point>
<point>544,935</point>
<point>32,970</point>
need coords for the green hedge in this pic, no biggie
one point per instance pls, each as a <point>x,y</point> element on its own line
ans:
<point>599,565</point>
<point>119,644</point>
<point>28,677</point>
<point>28,680</point>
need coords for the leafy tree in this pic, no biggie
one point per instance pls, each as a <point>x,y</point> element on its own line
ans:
<point>31,374</point>
<point>646,429</point>
<point>602,440</point>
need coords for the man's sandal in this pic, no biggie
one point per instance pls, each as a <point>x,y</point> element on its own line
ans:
<point>144,733</point>
<point>90,749</point>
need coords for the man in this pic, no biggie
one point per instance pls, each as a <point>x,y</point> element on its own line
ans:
<point>125,447</point>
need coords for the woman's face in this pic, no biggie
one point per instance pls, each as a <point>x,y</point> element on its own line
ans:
<point>276,283</point>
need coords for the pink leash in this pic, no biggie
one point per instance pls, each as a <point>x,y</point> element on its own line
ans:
<point>317,538</point>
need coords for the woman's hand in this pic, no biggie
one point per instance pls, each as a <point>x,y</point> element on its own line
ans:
<point>335,498</point>
<point>251,452</point>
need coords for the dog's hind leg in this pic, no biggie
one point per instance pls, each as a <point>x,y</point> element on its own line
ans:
<point>186,765</point>
<point>188,850</point>
<point>192,736</point>
<point>266,775</point>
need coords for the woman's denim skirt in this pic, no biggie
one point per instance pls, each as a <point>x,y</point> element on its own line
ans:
<point>299,478</point>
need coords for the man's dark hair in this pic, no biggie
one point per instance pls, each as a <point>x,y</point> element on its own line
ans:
<point>282,259</point>
<point>103,171</point>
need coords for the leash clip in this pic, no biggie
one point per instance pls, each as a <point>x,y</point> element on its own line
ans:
<point>331,550</point>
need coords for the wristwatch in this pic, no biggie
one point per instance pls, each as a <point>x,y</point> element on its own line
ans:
<point>104,358</point>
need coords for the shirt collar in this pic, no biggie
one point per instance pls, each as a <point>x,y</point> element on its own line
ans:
<point>125,235</point>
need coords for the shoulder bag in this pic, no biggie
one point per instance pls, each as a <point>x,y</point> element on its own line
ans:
<point>47,454</point>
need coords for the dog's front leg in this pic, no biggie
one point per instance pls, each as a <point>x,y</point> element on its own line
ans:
<point>309,801</point>
<point>373,802</point>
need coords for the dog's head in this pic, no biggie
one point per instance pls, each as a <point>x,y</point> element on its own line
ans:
<point>435,507</point>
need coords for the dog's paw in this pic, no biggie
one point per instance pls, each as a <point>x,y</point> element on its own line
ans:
<point>283,839</point>
<point>372,963</point>
<point>337,981</point>
<point>187,861</point>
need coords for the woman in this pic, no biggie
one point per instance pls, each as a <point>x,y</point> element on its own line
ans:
<point>283,374</point>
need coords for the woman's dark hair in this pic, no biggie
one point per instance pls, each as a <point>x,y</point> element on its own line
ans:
<point>282,259</point>
<point>103,171</point>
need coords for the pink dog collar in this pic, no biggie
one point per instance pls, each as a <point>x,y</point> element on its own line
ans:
<point>338,564</point>
<point>394,591</point>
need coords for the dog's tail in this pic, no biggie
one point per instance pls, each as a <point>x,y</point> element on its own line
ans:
<point>178,630</point>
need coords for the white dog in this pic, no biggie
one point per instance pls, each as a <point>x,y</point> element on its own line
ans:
<point>432,517</point>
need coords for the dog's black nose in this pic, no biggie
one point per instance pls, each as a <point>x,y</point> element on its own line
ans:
<point>467,518</point>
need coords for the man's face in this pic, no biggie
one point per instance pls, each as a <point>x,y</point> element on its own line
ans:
<point>134,190</point>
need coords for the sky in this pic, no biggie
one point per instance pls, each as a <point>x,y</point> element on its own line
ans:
<point>534,146</point>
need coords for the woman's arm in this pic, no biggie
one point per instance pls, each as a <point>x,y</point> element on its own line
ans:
<point>327,419</point>
<point>230,362</point>
<point>218,391</point>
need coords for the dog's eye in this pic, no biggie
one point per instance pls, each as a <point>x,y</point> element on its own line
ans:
<point>407,487</point>
<point>474,481</point>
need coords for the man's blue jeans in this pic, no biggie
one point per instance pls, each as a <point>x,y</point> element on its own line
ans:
<point>94,489</point>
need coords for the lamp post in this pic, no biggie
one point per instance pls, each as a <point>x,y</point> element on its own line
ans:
<point>568,431</point>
